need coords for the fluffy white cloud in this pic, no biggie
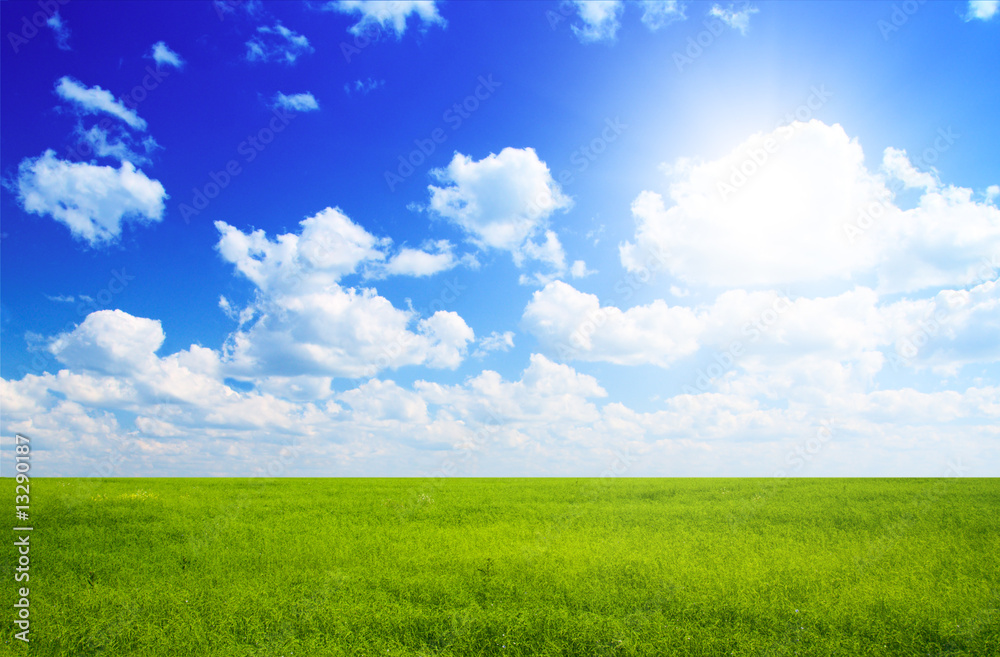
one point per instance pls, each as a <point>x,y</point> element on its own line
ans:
<point>296,102</point>
<point>600,20</point>
<point>982,10</point>
<point>109,341</point>
<point>735,17</point>
<point>503,202</point>
<point>164,56</point>
<point>391,15</point>
<point>797,206</point>
<point>307,324</point>
<point>573,325</point>
<point>660,13</point>
<point>60,30</point>
<point>277,43</point>
<point>93,100</point>
<point>92,201</point>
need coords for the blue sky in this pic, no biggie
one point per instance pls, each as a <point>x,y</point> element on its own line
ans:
<point>516,239</point>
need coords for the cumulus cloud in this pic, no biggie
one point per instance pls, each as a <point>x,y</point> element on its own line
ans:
<point>573,325</point>
<point>92,201</point>
<point>277,43</point>
<point>164,56</point>
<point>736,16</point>
<point>60,30</point>
<point>296,102</point>
<point>94,100</point>
<point>503,202</point>
<point>600,19</point>
<point>797,206</point>
<point>307,323</point>
<point>982,10</point>
<point>390,16</point>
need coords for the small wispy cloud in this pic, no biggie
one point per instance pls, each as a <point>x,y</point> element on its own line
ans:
<point>277,43</point>
<point>495,341</point>
<point>736,17</point>
<point>296,102</point>
<point>94,100</point>
<point>164,56</point>
<point>363,87</point>
<point>60,29</point>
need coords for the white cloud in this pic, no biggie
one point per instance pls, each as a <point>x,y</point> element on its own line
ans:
<point>660,13</point>
<point>164,56</point>
<point>418,262</point>
<point>600,19</point>
<point>579,269</point>
<point>94,99</point>
<point>390,15</point>
<point>109,342</point>
<point>573,325</point>
<point>296,102</point>
<point>307,324</point>
<point>92,201</point>
<point>60,30</point>
<point>798,207</point>
<point>495,341</point>
<point>503,202</point>
<point>736,18</point>
<point>982,10</point>
<point>277,43</point>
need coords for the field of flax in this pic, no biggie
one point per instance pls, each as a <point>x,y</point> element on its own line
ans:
<point>309,567</point>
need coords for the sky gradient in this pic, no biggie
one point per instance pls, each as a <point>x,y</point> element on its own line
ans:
<point>500,239</point>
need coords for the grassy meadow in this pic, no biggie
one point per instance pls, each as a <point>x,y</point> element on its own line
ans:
<point>304,567</point>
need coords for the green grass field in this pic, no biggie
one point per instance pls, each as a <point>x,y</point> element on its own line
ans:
<point>208,567</point>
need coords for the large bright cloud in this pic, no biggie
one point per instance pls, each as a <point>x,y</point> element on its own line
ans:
<point>798,206</point>
<point>92,201</point>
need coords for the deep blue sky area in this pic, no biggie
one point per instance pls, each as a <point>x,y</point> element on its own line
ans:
<point>452,218</point>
